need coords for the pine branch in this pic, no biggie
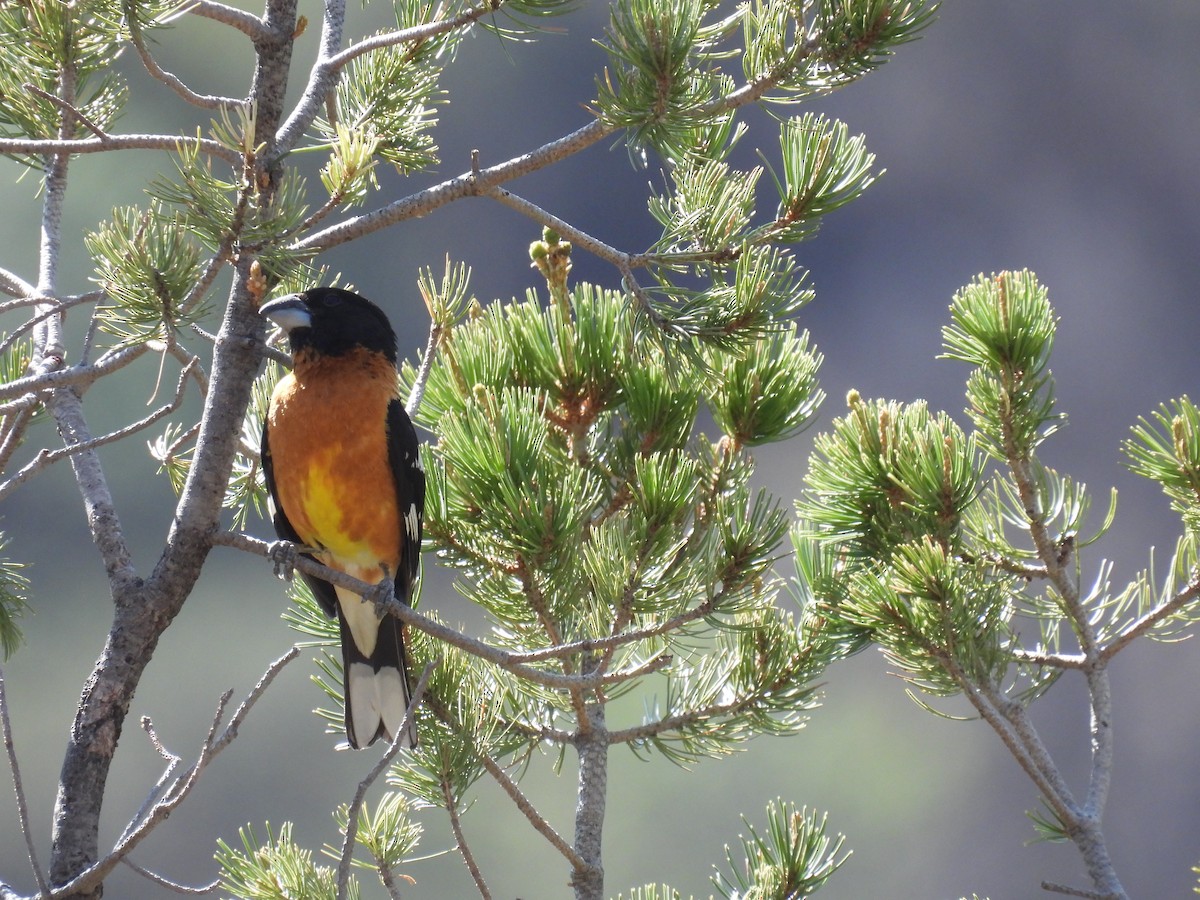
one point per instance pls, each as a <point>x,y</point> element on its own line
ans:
<point>1148,620</point>
<point>204,101</point>
<point>170,885</point>
<point>46,457</point>
<point>539,823</point>
<point>469,184</point>
<point>78,377</point>
<point>212,744</point>
<point>165,142</point>
<point>460,843</point>
<point>433,628</point>
<point>247,23</point>
<point>16,286</point>
<point>360,793</point>
<point>18,787</point>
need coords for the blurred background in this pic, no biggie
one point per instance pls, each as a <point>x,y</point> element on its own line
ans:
<point>1060,137</point>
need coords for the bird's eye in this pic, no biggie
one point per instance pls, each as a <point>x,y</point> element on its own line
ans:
<point>332,300</point>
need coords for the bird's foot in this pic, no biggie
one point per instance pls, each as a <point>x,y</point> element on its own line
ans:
<point>283,556</point>
<point>381,596</point>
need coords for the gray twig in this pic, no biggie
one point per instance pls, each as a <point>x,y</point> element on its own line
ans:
<point>360,793</point>
<point>19,789</point>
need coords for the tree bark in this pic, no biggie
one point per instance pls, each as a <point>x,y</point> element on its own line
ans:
<point>144,609</point>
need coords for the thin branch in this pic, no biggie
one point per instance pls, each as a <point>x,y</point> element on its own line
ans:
<point>360,793</point>
<point>530,812</point>
<point>46,457</point>
<point>1147,621</point>
<point>565,229</point>
<point>18,788</point>
<point>47,309</point>
<point>76,376</point>
<point>418,389</point>
<point>68,108</point>
<point>460,841</point>
<point>247,23</point>
<point>412,617</point>
<point>1051,660</point>
<point>1055,888</point>
<point>169,884</point>
<point>412,35</point>
<point>16,286</point>
<point>166,779</point>
<point>12,433</point>
<point>168,142</point>
<point>182,786</point>
<point>205,101</point>
<point>31,297</point>
<point>469,184</point>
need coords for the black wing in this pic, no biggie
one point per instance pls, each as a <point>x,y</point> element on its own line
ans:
<point>404,457</point>
<point>322,590</point>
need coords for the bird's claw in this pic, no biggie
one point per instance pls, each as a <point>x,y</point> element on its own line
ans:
<point>283,555</point>
<point>381,596</point>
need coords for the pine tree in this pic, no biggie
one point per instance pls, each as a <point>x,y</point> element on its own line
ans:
<point>615,545</point>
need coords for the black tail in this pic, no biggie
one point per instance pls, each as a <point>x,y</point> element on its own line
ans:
<point>376,687</point>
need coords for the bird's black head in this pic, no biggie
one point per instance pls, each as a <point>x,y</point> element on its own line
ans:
<point>332,321</point>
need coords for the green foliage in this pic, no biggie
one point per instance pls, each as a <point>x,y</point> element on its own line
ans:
<point>276,869</point>
<point>659,50</point>
<point>389,833</point>
<point>665,76</point>
<point>906,539</point>
<point>570,489</point>
<point>824,168</point>
<point>652,892</point>
<point>147,267</point>
<point>855,36</point>
<point>1166,448</point>
<point>37,39</point>
<point>1004,326</point>
<point>385,100</point>
<point>16,355</point>
<point>792,859</point>
<point>14,600</point>
<point>770,394</point>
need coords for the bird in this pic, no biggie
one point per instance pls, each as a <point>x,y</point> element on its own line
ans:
<point>346,488</point>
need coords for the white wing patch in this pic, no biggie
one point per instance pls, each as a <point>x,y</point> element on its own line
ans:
<point>412,522</point>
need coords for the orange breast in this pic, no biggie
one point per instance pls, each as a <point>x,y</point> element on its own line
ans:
<point>328,434</point>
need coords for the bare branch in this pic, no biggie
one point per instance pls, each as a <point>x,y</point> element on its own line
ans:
<point>46,457</point>
<point>180,788</point>
<point>418,388</point>
<point>360,793</point>
<point>1052,660</point>
<point>76,376</point>
<point>171,885</point>
<point>18,788</point>
<point>1056,888</point>
<point>205,101</point>
<point>16,286</point>
<point>530,812</point>
<point>250,25</point>
<point>410,616</point>
<point>469,184</point>
<point>460,842</point>
<point>168,142</point>
<point>33,298</point>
